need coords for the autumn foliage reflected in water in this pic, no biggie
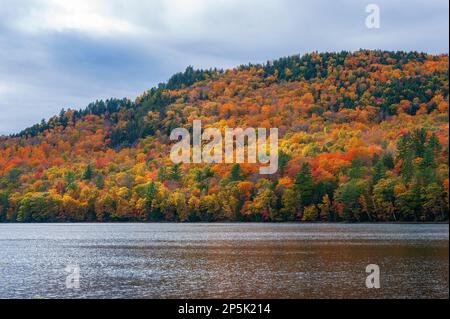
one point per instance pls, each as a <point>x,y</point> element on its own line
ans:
<point>224,260</point>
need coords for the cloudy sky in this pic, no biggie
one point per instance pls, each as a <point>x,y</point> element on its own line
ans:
<point>58,54</point>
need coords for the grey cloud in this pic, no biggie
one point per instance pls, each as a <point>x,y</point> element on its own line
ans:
<point>44,71</point>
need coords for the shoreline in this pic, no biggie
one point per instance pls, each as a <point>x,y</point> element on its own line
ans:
<point>230,222</point>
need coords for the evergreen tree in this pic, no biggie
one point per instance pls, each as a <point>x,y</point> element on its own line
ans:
<point>88,172</point>
<point>175,173</point>
<point>100,181</point>
<point>235,173</point>
<point>305,185</point>
<point>379,172</point>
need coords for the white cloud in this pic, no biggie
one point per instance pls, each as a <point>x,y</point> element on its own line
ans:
<point>90,16</point>
<point>162,20</point>
<point>4,89</point>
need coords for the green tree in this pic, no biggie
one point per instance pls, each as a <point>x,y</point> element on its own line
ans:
<point>13,176</point>
<point>150,196</point>
<point>100,181</point>
<point>434,206</point>
<point>291,203</point>
<point>70,179</point>
<point>4,205</point>
<point>304,184</point>
<point>409,203</point>
<point>408,169</point>
<point>349,196</point>
<point>38,207</point>
<point>357,170</point>
<point>162,174</point>
<point>175,173</point>
<point>88,172</point>
<point>283,160</point>
<point>388,161</point>
<point>379,172</point>
<point>384,199</point>
<point>235,174</point>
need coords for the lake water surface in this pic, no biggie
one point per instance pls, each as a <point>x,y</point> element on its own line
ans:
<point>223,260</point>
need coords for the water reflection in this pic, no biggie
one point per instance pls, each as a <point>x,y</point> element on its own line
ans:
<point>223,260</point>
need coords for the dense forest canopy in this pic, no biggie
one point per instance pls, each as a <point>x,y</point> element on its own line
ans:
<point>363,137</point>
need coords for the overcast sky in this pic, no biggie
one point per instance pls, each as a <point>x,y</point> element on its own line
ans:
<point>65,54</point>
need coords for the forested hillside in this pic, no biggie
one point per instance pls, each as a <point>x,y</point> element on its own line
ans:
<point>363,137</point>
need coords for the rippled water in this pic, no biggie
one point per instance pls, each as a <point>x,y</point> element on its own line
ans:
<point>223,260</point>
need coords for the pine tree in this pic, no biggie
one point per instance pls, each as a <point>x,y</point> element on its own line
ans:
<point>235,174</point>
<point>379,172</point>
<point>305,185</point>
<point>175,173</point>
<point>100,181</point>
<point>88,172</point>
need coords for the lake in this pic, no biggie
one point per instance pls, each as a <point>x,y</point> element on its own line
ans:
<point>222,260</point>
